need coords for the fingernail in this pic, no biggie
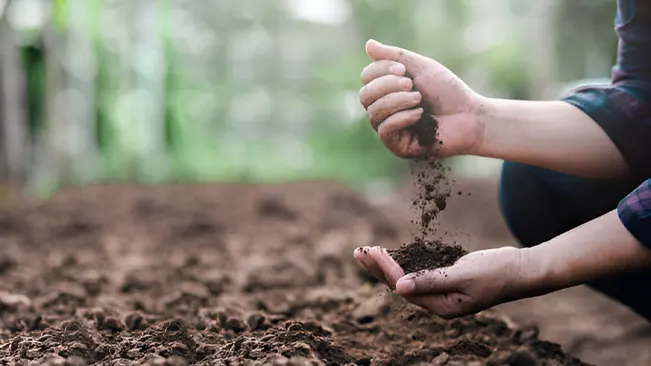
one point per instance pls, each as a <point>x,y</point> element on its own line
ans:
<point>397,69</point>
<point>406,83</point>
<point>415,96</point>
<point>405,286</point>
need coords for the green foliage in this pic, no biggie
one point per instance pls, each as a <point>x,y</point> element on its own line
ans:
<point>300,120</point>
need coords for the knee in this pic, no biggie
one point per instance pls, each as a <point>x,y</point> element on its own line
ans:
<point>526,204</point>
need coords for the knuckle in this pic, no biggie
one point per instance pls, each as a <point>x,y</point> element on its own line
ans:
<point>378,112</point>
<point>372,114</point>
<point>366,71</point>
<point>363,96</point>
<point>387,141</point>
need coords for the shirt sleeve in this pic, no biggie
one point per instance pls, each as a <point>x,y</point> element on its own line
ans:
<point>635,212</point>
<point>625,116</point>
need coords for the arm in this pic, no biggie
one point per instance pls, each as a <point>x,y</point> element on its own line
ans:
<point>555,135</point>
<point>618,242</point>
<point>596,249</point>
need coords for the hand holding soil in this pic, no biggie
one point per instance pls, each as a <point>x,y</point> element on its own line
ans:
<point>393,105</point>
<point>476,281</point>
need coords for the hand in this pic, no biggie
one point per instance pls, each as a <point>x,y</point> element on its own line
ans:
<point>475,282</point>
<point>391,104</point>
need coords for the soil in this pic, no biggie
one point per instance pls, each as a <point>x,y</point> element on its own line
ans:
<point>422,255</point>
<point>433,188</point>
<point>426,128</point>
<point>222,275</point>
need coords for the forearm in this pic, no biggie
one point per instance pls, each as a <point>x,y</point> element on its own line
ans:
<point>550,134</point>
<point>599,248</point>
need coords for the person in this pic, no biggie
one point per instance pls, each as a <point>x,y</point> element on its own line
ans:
<point>574,187</point>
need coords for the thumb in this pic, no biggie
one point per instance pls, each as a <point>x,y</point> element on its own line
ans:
<point>378,51</point>
<point>438,281</point>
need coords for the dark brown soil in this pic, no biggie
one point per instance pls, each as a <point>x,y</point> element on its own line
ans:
<point>433,188</point>
<point>425,130</point>
<point>221,275</point>
<point>422,254</point>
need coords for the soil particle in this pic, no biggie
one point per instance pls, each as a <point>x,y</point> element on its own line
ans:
<point>274,207</point>
<point>522,357</point>
<point>422,255</point>
<point>432,189</point>
<point>235,324</point>
<point>468,347</point>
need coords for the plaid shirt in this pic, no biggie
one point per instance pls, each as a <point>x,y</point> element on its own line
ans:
<point>635,213</point>
<point>623,109</point>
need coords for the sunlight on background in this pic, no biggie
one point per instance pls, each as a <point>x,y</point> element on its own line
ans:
<point>331,12</point>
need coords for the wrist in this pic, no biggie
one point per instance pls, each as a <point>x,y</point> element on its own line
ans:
<point>485,114</point>
<point>535,276</point>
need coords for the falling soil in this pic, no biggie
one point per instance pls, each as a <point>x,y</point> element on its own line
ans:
<point>221,275</point>
<point>433,188</point>
<point>432,184</point>
<point>421,255</point>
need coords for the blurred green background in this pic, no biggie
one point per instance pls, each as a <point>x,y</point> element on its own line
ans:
<point>257,90</point>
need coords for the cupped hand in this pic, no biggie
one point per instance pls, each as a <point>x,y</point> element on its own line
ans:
<point>392,105</point>
<point>476,282</point>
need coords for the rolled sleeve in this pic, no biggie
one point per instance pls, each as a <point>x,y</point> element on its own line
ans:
<point>625,116</point>
<point>635,212</point>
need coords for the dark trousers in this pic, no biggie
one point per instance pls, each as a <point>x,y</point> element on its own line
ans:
<point>540,204</point>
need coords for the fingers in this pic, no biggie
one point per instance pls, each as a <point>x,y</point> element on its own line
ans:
<point>438,281</point>
<point>390,129</point>
<point>377,261</point>
<point>383,86</point>
<point>390,268</point>
<point>379,111</point>
<point>363,256</point>
<point>381,68</point>
<point>400,141</point>
<point>378,51</point>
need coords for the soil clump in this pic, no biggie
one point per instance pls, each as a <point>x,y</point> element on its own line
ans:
<point>422,255</point>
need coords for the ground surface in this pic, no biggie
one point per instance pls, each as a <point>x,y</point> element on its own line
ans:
<point>238,275</point>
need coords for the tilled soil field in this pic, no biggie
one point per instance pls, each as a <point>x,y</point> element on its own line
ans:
<point>223,275</point>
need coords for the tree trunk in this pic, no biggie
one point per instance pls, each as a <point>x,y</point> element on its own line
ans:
<point>13,119</point>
